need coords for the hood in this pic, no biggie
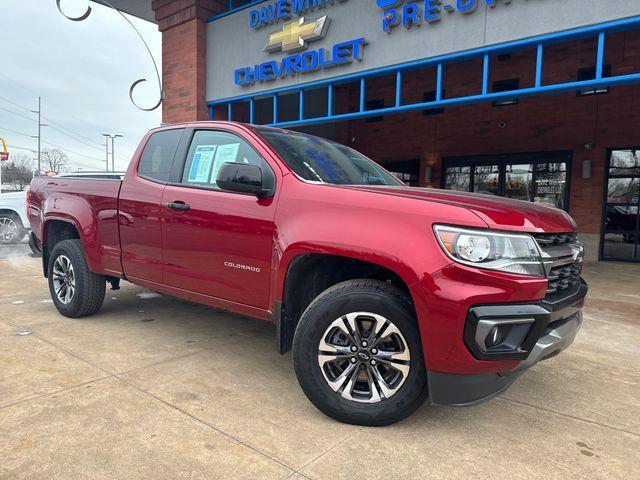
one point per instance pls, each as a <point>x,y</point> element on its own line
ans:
<point>19,194</point>
<point>497,212</point>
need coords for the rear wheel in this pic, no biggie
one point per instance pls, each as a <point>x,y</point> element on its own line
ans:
<point>11,228</point>
<point>357,354</point>
<point>75,290</point>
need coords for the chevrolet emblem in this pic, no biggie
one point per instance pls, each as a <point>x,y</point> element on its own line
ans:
<point>294,35</point>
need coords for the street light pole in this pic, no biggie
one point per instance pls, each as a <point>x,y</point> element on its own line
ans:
<point>113,159</point>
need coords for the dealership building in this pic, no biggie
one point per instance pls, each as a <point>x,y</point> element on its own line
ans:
<point>537,100</point>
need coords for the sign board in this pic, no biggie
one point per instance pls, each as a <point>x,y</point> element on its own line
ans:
<point>281,43</point>
<point>4,155</point>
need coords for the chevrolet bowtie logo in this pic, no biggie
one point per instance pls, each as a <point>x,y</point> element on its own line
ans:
<point>295,34</point>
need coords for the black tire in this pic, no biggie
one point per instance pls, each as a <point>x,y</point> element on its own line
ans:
<point>359,296</point>
<point>15,218</point>
<point>89,287</point>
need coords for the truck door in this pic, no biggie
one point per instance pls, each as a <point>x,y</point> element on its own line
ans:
<point>218,243</point>
<point>140,207</point>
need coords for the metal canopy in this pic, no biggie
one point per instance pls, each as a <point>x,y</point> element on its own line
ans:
<point>138,8</point>
<point>536,44</point>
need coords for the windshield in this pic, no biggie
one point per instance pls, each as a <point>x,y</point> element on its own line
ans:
<point>319,160</point>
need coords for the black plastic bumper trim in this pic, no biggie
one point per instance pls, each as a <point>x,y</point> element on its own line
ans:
<point>543,313</point>
<point>466,390</point>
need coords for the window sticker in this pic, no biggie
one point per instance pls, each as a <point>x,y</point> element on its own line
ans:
<point>201,165</point>
<point>224,154</point>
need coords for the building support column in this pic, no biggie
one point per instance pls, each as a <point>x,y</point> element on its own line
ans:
<point>183,25</point>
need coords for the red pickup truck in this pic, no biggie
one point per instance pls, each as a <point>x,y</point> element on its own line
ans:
<point>387,294</point>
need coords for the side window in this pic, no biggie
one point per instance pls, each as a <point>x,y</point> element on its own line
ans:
<point>209,150</point>
<point>157,157</point>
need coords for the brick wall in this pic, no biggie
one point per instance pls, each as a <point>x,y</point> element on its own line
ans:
<point>183,27</point>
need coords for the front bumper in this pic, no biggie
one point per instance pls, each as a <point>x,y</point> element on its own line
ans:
<point>552,327</point>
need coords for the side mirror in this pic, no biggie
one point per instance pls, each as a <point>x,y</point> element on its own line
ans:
<point>243,178</point>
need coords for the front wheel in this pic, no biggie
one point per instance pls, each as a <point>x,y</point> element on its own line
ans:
<point>357,354</point>
<point>75,290</point>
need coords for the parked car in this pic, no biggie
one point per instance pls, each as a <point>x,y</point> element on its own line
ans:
<point>14,223</point>
<point>623,218</point>
<point>388,294</point>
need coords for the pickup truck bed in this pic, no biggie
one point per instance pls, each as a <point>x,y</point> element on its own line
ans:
<point>91,206</point>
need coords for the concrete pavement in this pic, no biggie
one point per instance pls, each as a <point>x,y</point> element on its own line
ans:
<point>153,387</point>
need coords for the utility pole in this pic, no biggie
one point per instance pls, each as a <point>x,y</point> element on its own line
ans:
<point>106,148</point>
<point>113,160</point>
<point>40,125</point>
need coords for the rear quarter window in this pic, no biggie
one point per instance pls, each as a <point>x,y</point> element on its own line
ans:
<point>157,158</point>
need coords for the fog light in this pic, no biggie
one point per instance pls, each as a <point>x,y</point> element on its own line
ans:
<point>496,336</point>
<point>500,336</point>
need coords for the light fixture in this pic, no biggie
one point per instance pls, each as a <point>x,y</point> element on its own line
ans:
<point>427,174</point>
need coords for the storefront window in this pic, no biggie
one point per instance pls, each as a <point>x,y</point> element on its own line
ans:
<point>625,163</point>
<point>519,182</point>
<point>487,179</point>
<point>406,170</point>
<point>551,180</point>
<point>534,177</point>
<point>458,178</point>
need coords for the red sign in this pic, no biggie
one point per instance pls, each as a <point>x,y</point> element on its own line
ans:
<point>4,156</point>
<point>50,173</point>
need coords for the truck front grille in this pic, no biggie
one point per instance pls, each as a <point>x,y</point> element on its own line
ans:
<point>562,258</point>
<point>551,239</point>
<point>563,278</point>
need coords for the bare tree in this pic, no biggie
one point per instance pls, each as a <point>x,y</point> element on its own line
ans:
<point>54,160</point>
<point>18,171</point>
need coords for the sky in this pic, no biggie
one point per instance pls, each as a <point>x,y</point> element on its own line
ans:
<point>82,71</point>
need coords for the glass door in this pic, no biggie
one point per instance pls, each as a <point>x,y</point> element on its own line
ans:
<point>621,226</point>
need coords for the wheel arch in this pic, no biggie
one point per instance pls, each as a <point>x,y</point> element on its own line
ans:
<point>5,211</point>
<point>55,230</point>
<point>308,273</point>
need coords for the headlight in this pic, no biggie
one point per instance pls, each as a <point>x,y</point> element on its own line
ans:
<point>512,253</point>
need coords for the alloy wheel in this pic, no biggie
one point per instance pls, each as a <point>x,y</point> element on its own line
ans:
<point>64,280</point>
<point>8,229</point>
<point>364,357</point>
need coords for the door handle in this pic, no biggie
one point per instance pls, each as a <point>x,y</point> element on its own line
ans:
<point>178,206</point>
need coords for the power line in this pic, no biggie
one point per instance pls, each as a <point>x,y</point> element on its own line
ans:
<point>60,128</point>
<point>72,151</point>
<point>72,137</point>
<point>78,137</point>
<point>33,92</point>
<point>20,148</point>
<point>15,131</point>
<point>75,135</point>
<point>15,104</point>
<point>69,130</point>
<point>18,114</point>
<point>48,143</point>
